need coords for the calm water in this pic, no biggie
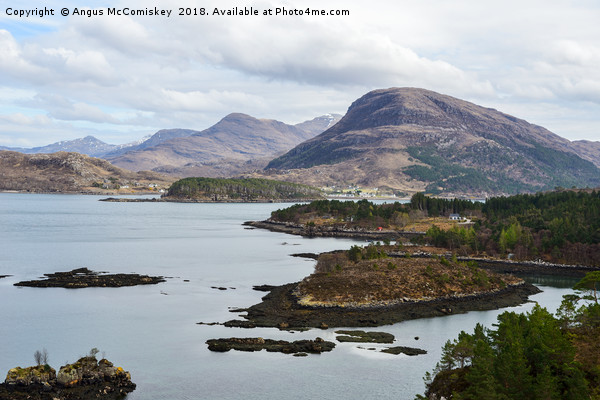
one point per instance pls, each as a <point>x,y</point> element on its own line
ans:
<point>151,330</point>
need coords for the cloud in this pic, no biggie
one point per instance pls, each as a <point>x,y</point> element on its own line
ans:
<point>145,73</point>
<point>12,62</point>
<point>61,108</point>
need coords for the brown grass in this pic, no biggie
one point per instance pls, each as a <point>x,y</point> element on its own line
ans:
<point>392,280</point>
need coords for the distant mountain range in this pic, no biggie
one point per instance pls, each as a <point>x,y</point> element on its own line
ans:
<point>416,139</point>
<point>407,139</point>
<point>237,138</point>
<point>88,145</point>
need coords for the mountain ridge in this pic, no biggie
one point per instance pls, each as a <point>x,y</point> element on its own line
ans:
<point>236,138</point>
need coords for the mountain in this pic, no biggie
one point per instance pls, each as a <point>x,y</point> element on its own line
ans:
<point>236,138</point>
<point>71,172</point>
<point>319,124</point>
<point>150,141</point>
<point>88,145</point>
<point>415,139</point>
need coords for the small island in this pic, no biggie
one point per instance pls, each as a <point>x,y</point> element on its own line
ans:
<point>371,286</point>
<point>83,278</point>
<point>232,190</point>
<point>87,378</point>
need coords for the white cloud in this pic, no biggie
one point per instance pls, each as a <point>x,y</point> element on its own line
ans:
<point>147,73</point>
<point>12,62</point>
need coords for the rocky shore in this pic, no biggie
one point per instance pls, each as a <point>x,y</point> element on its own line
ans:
<point>531,267</point>
<point>83,278</point>
<point>331,231</point>
<point>87,378</point>
<point>364,337</point>
<point>281,309</point>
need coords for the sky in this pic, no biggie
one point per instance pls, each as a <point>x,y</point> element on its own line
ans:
<point>122,77</point>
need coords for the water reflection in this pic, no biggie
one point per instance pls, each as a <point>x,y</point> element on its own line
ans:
<point>563,282</point>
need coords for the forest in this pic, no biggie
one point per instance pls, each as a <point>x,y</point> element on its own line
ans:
<point>240,189</point>
<point>560,226</point>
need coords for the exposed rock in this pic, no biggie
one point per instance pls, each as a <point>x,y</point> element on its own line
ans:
<point>409,351</point>
<point>364,337</point>
<point>312,256</point>
<point>28,376</point>
<point>85,379</point>
<point>263,288</point>
<point>83,277</point>
<point>316,346</point>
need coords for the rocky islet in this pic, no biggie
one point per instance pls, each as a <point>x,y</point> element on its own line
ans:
<point>83,278</point>
<point>86,378</point>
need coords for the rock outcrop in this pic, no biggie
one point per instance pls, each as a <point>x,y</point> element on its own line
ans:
<point>87,378</point>
<point>83,277</point>
<point>316,346</point>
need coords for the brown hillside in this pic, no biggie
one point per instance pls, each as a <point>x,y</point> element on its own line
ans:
<point>70,172</point>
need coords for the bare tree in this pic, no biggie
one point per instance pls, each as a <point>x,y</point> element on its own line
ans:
<point>41,357</point>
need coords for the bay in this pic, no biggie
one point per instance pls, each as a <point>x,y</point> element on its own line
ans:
<point>152,330</point>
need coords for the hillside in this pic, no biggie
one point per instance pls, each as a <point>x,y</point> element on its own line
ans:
<point>71,172</point>
<point>588,150</point>
<point>415,139</point>
<point>235,139</point>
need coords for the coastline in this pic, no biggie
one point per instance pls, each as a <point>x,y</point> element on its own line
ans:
<point>167,200</point>
<point>281,309</point>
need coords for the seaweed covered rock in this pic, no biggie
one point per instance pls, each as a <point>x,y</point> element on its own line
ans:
<point>84,277</point>
<point>39,374</point>
<point>316,346</point>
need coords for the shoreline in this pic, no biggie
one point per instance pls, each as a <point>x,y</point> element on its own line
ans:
<point>201,201</point>
<point>280,309</point>
<point>496,265</point>
<point>308,231</point>
<point>78,192</point>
